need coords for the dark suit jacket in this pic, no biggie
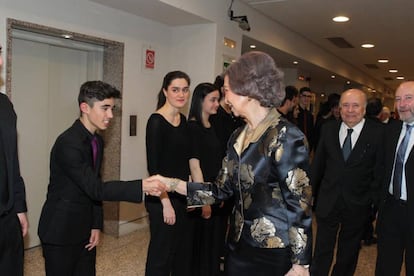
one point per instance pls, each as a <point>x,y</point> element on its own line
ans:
<point>305,122</point>
<point>393,130</point>
<point>16,201</point>
<point>358,179</point>
<point>73,206</point>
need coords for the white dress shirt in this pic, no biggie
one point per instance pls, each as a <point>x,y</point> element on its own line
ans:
<point>407,153</point>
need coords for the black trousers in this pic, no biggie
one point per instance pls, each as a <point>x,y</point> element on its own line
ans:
<point>11,245</point>
<point>69,260</point>
<point>170,247</point>
<point>350,222</point>
<point>394,239</point>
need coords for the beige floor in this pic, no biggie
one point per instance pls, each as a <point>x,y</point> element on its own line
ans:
<point>125,256</point>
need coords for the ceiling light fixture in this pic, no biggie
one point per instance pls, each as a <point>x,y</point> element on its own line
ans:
<point>393,71</point>
<point>242,20</point>
<point>296,62</point>
<point>400,78</point>
<point>252,46</point>
<point>340,19</point>
<point>367,45</point>
<point>383,60</point>
<point>67,36</point>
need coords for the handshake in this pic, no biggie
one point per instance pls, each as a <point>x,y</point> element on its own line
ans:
<point>157,184</point>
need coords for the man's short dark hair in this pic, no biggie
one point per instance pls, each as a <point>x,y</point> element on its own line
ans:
<point>333,100</point>
<point>94,91</point>
<point>290,92</point>
<point>374,107</point>
<point>304,89</point>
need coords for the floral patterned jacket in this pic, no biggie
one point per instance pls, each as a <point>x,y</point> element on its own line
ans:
<point>268,178</point>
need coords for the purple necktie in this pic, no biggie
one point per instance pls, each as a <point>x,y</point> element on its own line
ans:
<point>94,144</point>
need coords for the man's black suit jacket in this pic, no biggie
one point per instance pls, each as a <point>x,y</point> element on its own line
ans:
<point>393,130</point>
<point>358,179</point>
<point>16,199</point>
<point>73,206</point>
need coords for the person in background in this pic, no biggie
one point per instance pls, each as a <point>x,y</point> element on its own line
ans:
<point>345,174</point>
<point>224,122</point>
<point>13,220</point>
<point>265,169</point>
<point>72,218</point>
<point>385,115</point>
<point>289,102</point>
<point>205,164</point>
<point>373,112</point>
<point>329,111</point>
<point>305,118</point>
<point>395,224</point>
<point>168,152</point>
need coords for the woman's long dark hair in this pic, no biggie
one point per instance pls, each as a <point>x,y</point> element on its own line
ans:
<point>167,81</point>
<point>199,93</point>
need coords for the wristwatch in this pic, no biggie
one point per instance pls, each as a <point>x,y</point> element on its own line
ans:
<point>306,266</point>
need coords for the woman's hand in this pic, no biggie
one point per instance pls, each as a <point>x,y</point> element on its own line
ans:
<point>169,214</point>
<point>298,270</point>
<point>206,211</point>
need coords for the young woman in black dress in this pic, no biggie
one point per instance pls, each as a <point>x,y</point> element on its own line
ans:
<point>205,163</point>
<point>167,142</point>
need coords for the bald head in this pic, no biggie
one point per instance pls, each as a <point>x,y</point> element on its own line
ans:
<point>352,106</point>
<point>404,101</point>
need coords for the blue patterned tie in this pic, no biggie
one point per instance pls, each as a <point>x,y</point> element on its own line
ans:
<point>399,164</point>
<point>347,146</point>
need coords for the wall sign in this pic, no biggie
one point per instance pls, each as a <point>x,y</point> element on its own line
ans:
<point>149,59</point>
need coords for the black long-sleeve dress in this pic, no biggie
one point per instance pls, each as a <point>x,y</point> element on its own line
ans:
<point>208,237</point>
<point>167,154</point>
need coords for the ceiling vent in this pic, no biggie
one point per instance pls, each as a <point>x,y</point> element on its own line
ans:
<point>340,42</point>
<point>388,78</point>
<point>371,66</point>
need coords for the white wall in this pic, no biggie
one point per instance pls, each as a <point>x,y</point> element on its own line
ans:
<point>189,48</point>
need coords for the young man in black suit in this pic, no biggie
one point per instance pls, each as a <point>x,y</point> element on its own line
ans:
<point>395,224</point>
<point>346,175</point>
<point>71,219</point>
<point>305,118</point>
<point>13,220</point>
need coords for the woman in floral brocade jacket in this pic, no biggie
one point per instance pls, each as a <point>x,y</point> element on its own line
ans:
<point>266,170</point>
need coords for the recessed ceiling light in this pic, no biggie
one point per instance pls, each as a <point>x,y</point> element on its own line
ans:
<point>367,45</point>
<point>400,78</point>
<point>383,60</point>
<point>253,46</point>
<point>393,71</point>
<point>340,19</point>
<point>67,36</point>
<point>348,82</point>
<point>333,76</point>
<point>296,62</point>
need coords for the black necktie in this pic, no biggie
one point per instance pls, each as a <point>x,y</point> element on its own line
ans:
<point>347,146</point>
<point>399,164</point>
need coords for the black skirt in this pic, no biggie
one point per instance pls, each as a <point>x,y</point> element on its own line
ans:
<point>245,260</point>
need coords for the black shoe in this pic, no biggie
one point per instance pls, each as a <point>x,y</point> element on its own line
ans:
<point>370,241</point>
